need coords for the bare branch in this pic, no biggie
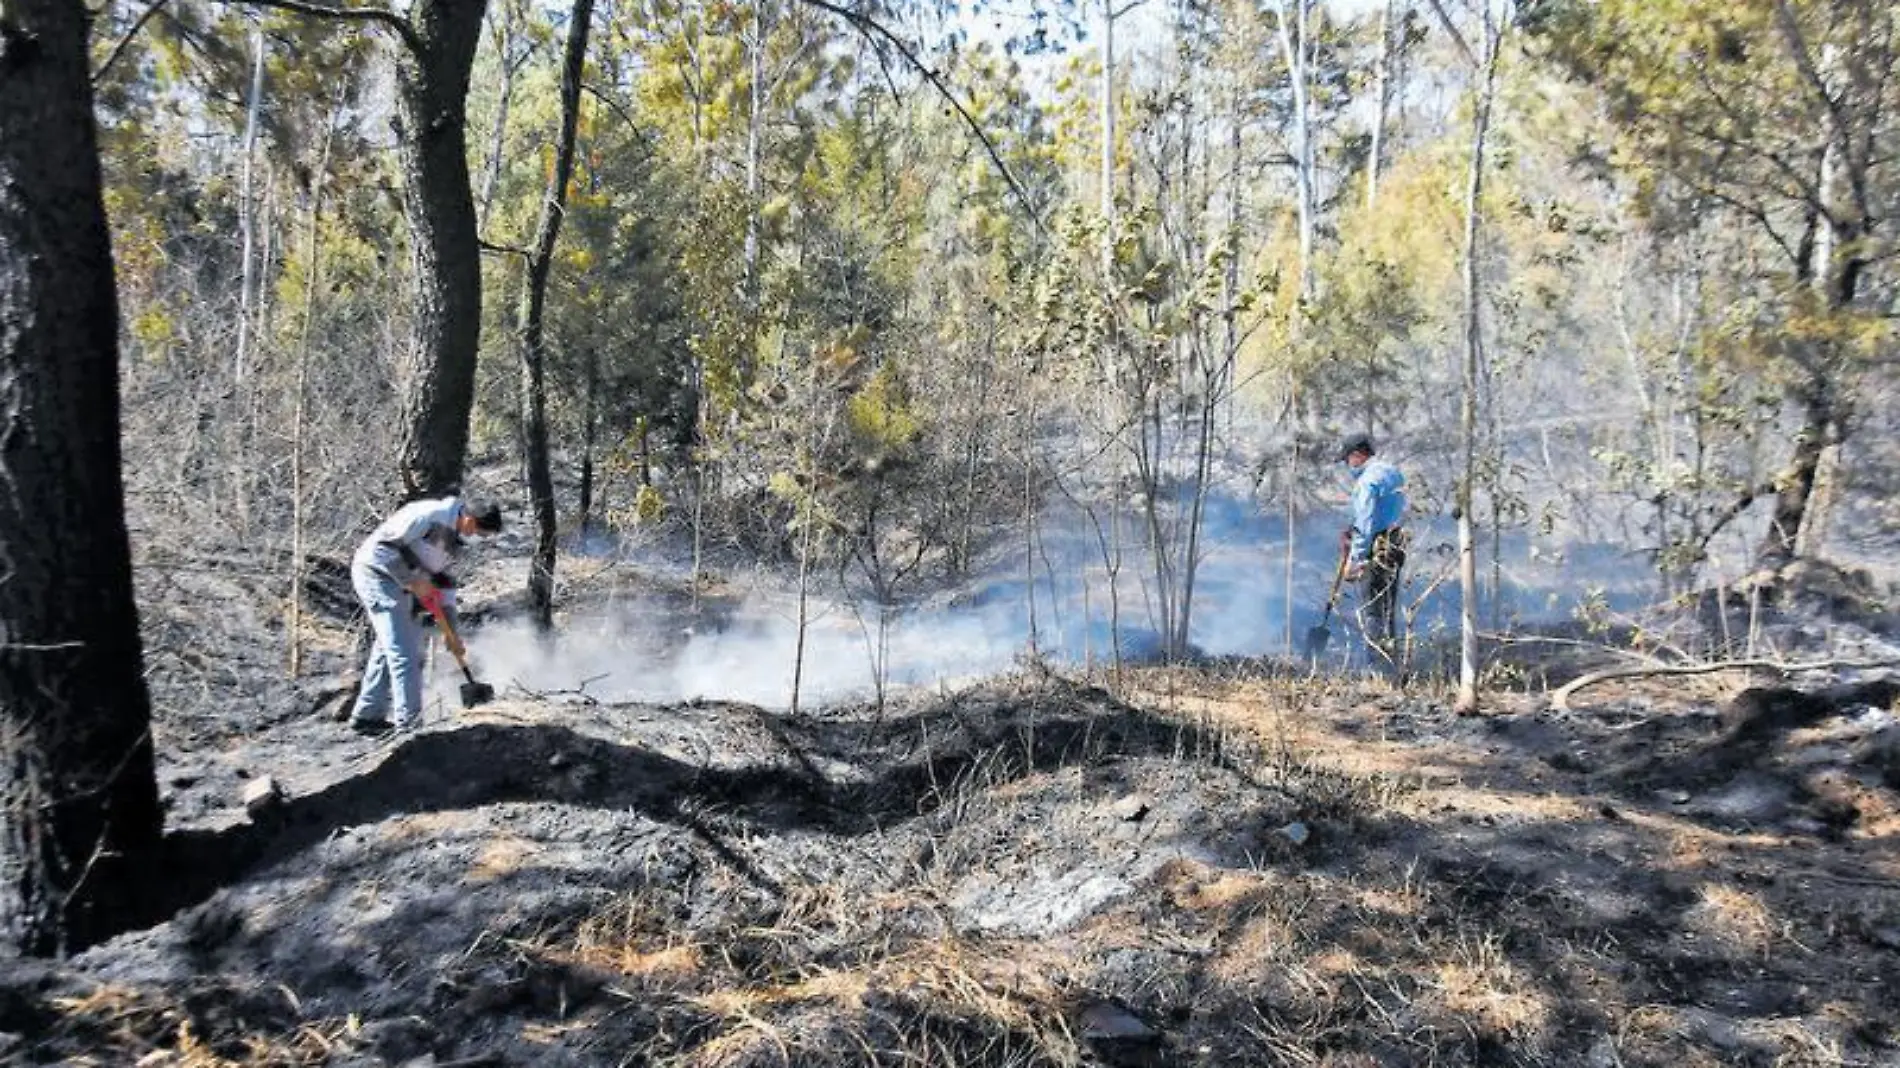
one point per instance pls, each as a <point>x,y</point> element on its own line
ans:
<point>118,49</point>
<point>1732,512</point>
<point>1836,110</point>
<point>1753,211</point>
<point>374,15</point>
<point>1444,19</point>
<point>1808,189</point>
<point>613,105</point>
<point>1560,697</point>
<point>502,250</point>
<point>871,28</point>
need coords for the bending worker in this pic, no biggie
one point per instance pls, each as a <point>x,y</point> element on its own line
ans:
<point>1375,543</point>
<point>407,555</point>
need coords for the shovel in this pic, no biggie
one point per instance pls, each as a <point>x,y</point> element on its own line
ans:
<point>1319,635</point>
<point>473,693</point>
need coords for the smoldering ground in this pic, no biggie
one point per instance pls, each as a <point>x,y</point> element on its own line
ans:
<point>1083,592</point>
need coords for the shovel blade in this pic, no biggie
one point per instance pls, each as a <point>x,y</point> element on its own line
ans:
<point>476,693</point>
<point>1316,640</point>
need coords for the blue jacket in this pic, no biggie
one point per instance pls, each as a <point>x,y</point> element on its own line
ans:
<point>1378,504</point>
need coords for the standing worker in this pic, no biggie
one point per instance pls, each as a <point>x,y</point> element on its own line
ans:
<point>1374,545</point>
<point>407,555</point>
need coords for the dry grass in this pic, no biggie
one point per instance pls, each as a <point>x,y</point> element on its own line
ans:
<point>501,857</point>
<point>922,1005</point>
<point>1483,992</point>
<point>114,1026</point>
<point>830,979</point>
<point>1734,916</point>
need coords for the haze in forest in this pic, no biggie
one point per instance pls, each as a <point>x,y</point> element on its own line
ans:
<point>816,320</point>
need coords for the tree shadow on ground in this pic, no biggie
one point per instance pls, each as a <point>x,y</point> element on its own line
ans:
<point>887,769</point>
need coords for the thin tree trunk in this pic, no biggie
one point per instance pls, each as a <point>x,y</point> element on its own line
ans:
<point>1149,458</point>
<point>1230,346</point>
<point>250,273</point>
<point>1029,526</point>
<point>1295,45</point>
<point>1293,33</point>
<point>1292,508</point>
<point>247,212</point>
<point>590,419</point>
<point>754,136</point>
<point>1203,466</point>
<point>1468,409</point>
<point>80,822</point>
<point>1381,96</point>
<point>498,132</point>
<point>820,438</point>
<point>314,276</point>
<point>695,88</point>
<point>1107,93</point>
<point>531,329</point>
<point>806,536</point>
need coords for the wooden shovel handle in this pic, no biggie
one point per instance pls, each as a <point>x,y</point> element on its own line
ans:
<point>1339,577</point>
<point>442,620</point>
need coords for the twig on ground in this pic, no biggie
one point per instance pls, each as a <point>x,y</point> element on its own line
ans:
<point>1847,880</point>
<point>1560,697</point>
<point>578,692</point>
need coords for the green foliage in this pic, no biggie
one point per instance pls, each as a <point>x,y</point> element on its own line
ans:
<point>796,302</point>
<point>880,414</point>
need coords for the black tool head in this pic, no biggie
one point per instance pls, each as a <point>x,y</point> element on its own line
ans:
<point>476,693</point>
<point>1316,640</point>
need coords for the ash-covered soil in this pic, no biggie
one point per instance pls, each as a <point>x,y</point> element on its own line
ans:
<point>1213,866</point>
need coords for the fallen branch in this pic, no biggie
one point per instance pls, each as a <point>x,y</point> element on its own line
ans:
<point>1560,697</point>
<point>1850,880</point>
<point>576,695</point>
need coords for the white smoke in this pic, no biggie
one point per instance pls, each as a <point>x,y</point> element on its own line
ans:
<point>646,648</point>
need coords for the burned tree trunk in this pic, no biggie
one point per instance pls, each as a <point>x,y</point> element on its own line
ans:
<point>590,422</point>
<point>1824,401</point>
<point>1794,486</point>
<point>531,329</point>
<point>80,823</point>
<point>434,76</point>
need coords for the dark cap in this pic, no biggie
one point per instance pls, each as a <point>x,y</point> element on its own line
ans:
<point>1355,443</point>
<point>486,514</point>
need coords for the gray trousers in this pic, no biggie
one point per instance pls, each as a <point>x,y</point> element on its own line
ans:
<point>1379,610</point>
<point>395,655</point>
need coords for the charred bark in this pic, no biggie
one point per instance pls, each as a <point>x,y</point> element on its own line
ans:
<point>590,423</point>
<point>531,328</point>
<point>80,822</point>
<point>1824,406</point>
<point>433,97</point>
<point>1794,487</point>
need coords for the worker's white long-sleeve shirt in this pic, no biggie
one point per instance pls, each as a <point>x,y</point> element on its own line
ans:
<point>426,527</point>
